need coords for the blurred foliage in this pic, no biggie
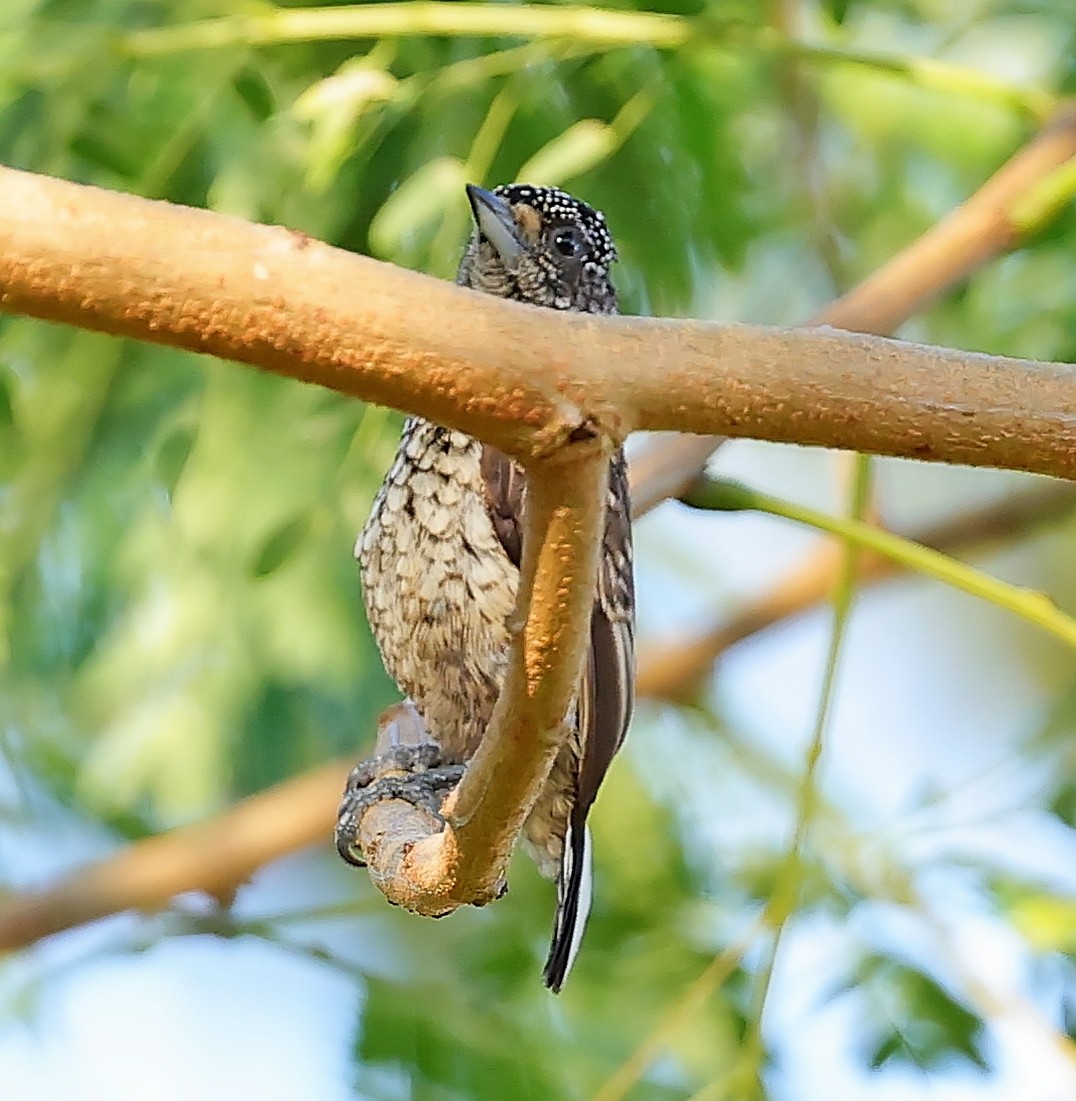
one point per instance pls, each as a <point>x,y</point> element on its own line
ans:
<point>916,1021</point>
<point>180,618</point>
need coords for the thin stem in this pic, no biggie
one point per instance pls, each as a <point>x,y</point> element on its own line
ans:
<point>690,1002</point>
<point>786,894</point>
<point>597,27</point>
<point>594,26</point>
<point>673,669</point>
<point>1047,199</point>
<point>1035,607</point>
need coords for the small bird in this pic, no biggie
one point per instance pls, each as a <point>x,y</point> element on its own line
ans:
<point>440,554</point>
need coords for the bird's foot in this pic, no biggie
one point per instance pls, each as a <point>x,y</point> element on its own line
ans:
<point>410,768</point>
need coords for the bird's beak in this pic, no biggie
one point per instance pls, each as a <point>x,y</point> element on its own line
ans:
<point>496,223</point>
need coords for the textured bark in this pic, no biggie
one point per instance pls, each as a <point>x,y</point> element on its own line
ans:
<point>530,381</point>
<point>215,856</point>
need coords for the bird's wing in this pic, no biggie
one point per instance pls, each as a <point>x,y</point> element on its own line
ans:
<point>506,491</point>
<point>607,692</point>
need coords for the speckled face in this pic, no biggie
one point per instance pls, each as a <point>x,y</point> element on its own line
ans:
<point>540,245</point>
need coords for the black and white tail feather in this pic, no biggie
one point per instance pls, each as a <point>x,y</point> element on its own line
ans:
<point>575,886</point>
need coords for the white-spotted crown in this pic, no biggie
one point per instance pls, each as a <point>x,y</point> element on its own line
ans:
<point>540,245</point>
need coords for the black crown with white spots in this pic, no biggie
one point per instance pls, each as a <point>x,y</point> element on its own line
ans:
<point>565,257</point>
<point>558,207</point>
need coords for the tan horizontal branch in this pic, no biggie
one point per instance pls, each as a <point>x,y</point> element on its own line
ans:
<point>519,377</point>
<point>201,268</point>
<point>214,856</point>
<point>1017,200</point>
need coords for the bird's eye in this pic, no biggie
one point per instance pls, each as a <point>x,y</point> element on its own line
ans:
<point>568,241</point>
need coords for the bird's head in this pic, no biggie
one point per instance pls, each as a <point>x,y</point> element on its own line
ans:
<point>539,245</point>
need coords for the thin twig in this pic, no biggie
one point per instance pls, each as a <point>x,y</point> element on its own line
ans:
<point>788,885</point>
<point>674,670</point>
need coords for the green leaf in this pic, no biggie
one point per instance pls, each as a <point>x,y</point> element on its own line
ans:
<point>281,545</point>
<point>911,1019</point>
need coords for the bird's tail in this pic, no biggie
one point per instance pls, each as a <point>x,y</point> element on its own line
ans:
<point>573,907</point>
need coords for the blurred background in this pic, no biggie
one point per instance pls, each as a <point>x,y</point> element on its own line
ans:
<point>181,623</point>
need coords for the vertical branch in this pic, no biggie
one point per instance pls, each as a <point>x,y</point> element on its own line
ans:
<point>432,867</point>
<point>561,544</point>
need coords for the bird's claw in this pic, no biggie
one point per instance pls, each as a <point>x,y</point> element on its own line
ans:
<point>413,774</point>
